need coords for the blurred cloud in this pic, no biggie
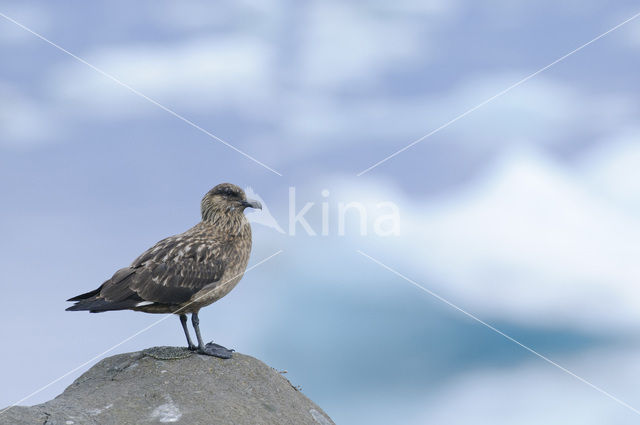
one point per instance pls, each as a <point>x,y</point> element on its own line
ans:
<point>210,72</point>
<point>36,17</point>
<point>612,167</point>
<point>527,241</point>
<point>25,122</point>
<point>527,235</point>
<point>543,111</point>
<point>529,393</point>
<point>348,44</point>
<point>537,393</point>
<point>198,15</point>
<point>633,35</point>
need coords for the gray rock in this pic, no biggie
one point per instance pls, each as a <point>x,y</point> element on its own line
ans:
<point>172,385</point>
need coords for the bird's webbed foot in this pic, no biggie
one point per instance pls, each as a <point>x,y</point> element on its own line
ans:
<point>216,350</point>
<point>192,347</point>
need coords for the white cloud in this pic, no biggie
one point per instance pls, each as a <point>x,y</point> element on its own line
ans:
<point>542,111</point>
<point>542,108</point>
<point>613,167</point>
<point>199,14</point>
<point>25,122</point>
<point>347,43</point>
<point>633,35</point>
<point>531,242</point>
<point>334,43</point>
<point>538,393</point>
<point>201,73</point>
<point>528,242</point>
<point>31,16</point>
<point>435,9</point>
<point>530,393</point>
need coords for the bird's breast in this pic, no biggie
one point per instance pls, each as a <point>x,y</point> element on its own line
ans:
<point>234,253</point>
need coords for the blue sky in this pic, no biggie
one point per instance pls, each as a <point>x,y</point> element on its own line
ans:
<point>523,213</point>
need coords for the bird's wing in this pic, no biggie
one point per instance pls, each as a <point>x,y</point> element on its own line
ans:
<point>170,272</point>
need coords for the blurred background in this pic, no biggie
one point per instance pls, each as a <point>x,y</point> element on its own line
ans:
<point>524,213</point>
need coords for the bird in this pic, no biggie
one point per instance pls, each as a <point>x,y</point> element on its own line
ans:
<point>183,273</point>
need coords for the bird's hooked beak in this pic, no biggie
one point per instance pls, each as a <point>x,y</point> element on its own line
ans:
<point>250,203</point>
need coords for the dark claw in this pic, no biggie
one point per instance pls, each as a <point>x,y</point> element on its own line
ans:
<point>216,350</point>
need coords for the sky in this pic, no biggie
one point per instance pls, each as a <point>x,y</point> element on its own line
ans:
<point>517,210</point>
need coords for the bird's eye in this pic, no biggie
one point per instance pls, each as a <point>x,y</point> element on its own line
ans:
<point>228,193</point>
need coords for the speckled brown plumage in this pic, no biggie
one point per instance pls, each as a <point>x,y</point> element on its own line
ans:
<point>183,273</point>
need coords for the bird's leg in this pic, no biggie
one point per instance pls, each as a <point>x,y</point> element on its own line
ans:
<point>210,349</point>
<point>195,321</point>
<point>183,320</point>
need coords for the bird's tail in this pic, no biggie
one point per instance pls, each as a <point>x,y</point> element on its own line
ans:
<point>85,301</point>
<point>77,307</point>
<point>118,297</point>
<point>99,305</point>
<point>86,295</point>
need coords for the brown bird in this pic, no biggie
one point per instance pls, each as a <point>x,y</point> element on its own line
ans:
<point>183,273</point>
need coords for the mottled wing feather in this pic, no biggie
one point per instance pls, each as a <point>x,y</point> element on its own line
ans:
<point>117,288</point>
<point>176,268</point>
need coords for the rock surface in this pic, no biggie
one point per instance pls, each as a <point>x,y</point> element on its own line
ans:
<point>172,385</point>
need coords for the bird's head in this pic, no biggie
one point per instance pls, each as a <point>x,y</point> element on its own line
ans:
<point>226,198</point>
